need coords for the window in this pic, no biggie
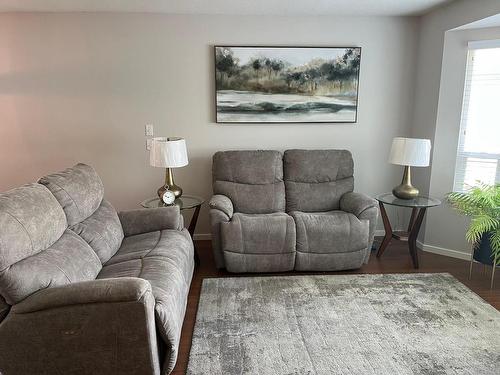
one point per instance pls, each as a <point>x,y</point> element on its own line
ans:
<point>478,157</point>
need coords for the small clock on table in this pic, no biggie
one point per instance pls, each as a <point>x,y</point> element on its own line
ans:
<point>168,197</point>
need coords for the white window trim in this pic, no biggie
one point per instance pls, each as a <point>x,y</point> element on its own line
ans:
<point>483,44</point>
<point>462,156</point>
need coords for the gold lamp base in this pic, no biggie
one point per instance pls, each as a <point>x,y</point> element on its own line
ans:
<point>406,190</point>
<point>169,185</point>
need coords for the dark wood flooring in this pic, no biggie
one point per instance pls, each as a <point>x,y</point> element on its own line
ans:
<point>396,259</point>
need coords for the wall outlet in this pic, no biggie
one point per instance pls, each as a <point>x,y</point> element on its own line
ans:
<point>149,141</point>
<point>149,130</point>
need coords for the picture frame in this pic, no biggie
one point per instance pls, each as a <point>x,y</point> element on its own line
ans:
<point>286,84</point>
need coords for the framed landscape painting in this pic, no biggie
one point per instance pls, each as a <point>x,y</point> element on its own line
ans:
<point>286,84</point>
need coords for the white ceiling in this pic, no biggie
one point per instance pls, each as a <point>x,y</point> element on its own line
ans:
<point>234,7</point>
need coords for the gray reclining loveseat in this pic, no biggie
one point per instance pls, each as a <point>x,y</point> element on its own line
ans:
<point>276,212</point>
<point>84,290</point>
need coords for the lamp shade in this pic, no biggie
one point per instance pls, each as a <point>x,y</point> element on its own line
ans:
<point>168,152</point>
<point>413,152</point>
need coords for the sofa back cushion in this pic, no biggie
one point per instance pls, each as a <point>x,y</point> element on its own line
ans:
<point>70,259</point>
<point>31,220</point>
<point>253,180</point>
<point>78,190</point>
<point>315,180</point>
<point>36,249</point>
<point>102,231</point>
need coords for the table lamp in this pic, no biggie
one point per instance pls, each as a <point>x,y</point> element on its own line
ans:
<point>168,153</point>
<point>410,152</point>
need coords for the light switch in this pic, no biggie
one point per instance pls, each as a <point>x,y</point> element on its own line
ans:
<point>149,141</point>
<point>149,130</point>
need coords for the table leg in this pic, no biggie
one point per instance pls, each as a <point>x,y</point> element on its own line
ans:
<point>412,238</point>
<point>191,228</point>
<point>388,231</point>
<point>412,218</point>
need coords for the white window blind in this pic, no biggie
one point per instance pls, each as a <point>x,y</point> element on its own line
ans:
<point>478,157</point>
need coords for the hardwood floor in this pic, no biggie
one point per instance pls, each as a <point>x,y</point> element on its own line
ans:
<point>396,259</point>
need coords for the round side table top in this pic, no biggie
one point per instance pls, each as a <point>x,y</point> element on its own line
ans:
<point>184,202</point>
<point>419,202</point>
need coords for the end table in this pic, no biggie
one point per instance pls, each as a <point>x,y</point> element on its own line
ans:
<point>185,202</point>
<point>418,205</point>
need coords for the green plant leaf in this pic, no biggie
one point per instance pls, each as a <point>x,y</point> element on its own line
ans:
<point>481,224</point>
<point>495,246</point>
<point>482,204</point>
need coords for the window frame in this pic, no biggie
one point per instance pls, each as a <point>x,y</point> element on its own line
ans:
<point>463,156</point>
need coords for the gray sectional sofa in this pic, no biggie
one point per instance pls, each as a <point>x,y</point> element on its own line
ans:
<point>276,212</point>
<point>84,289</point>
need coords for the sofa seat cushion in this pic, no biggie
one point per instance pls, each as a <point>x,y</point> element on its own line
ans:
<point>259,242</point>
<point>165,259</point>
<point>102,231</point>
<point>78,190</point>
<point>331,240</point>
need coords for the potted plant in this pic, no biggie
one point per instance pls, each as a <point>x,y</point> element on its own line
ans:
<point>482,204</point>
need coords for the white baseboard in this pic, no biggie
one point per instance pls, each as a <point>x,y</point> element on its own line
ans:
<point>443,251</point>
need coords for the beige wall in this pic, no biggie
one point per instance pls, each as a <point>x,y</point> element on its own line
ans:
<point>432,29</point>
<point>81,87</point>
<point>445,229</point>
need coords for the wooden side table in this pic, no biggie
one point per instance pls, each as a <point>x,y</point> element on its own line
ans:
<point>185,202</point>
<point>419,206</point>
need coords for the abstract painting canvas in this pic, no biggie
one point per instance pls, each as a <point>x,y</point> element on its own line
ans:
<point>286,84</point>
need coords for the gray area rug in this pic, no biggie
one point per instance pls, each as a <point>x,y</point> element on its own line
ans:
<point>344,324</point>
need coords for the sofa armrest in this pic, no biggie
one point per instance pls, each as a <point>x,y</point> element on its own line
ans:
<point>365,208</point>
<point>102,326</point>
<point>126,289</point>
<point>222,203</point>
<point>221,211</point>
<point>150,220</point>
<point>356,203</point>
